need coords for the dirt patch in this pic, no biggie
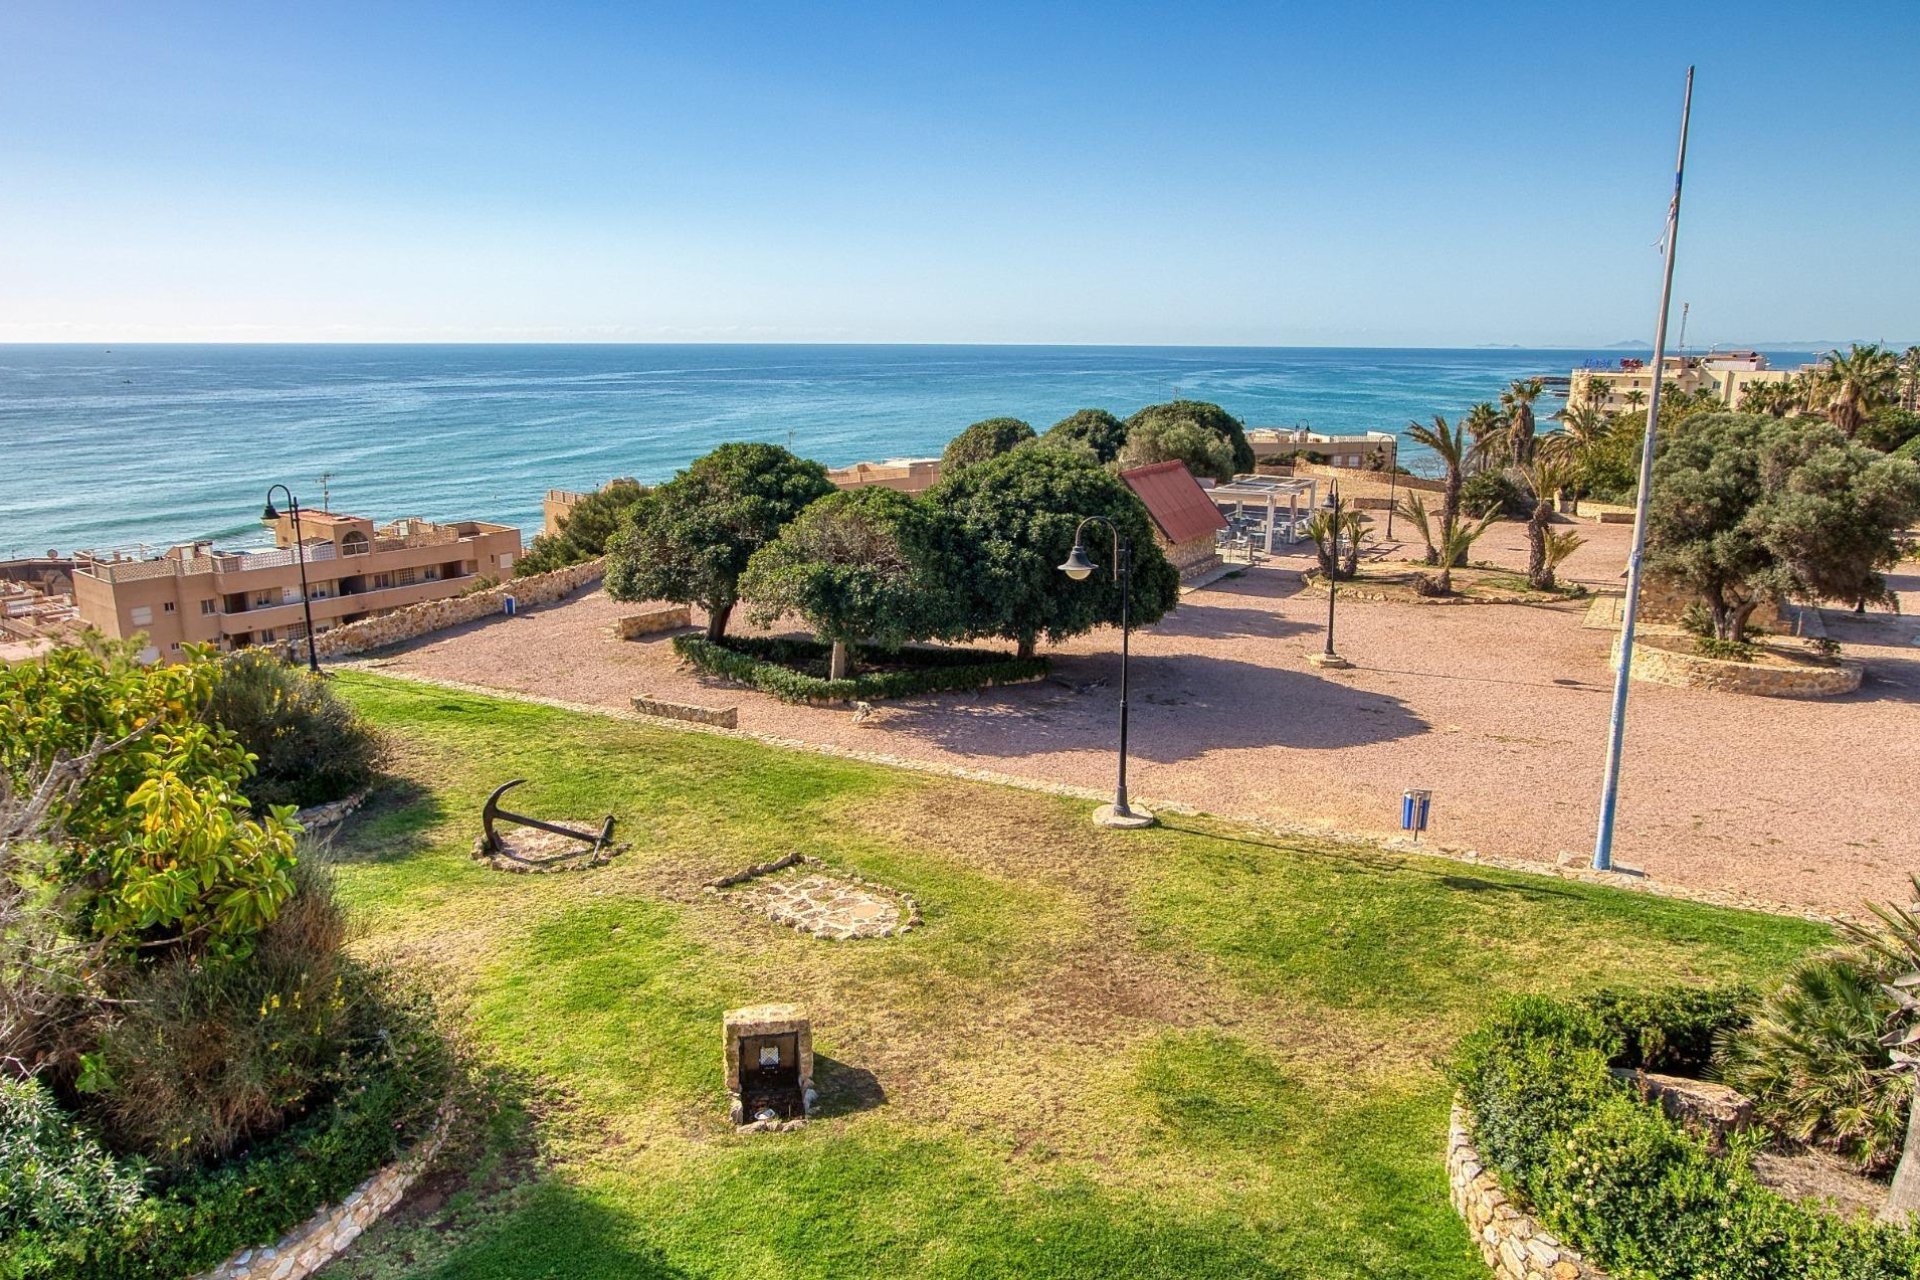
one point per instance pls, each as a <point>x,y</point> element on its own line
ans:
<point>1817,1176</point>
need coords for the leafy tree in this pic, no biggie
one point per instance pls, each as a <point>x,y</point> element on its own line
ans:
<point>689,540</point>
<point>1746,507</point>
<point>1204,414</point>
<point>1175,439</point>
<point>1889,428</point>
<point>1516,402</point>
<point>988,438</point>
<point>584,530</point>
<point>1008,523</point>
<point>1853,385</point>
<point>858,567</point>
<point>156,842</point>
<point>1450,443</point>
<point>1093,431</point>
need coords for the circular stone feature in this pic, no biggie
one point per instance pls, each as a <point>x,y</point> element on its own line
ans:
<point>801,895</point>
<point>1133,820</point>
<point>528,849</point>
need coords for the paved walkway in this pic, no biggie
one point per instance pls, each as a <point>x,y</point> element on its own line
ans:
<point>1501,710</point>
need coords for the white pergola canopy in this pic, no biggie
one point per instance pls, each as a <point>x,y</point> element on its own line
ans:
<point>1268,492</point>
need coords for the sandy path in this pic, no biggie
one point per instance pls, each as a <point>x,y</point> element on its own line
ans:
<point>1501,710</point>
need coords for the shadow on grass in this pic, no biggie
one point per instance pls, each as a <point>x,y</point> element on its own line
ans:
<point>1474,884</point>
<point>397,821</point>
<point>844,1088</point>
<point>560,1234</point>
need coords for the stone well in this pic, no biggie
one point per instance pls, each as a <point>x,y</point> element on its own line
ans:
<point>768,1050</point>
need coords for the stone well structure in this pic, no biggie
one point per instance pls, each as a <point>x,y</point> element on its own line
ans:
<point>768,1051</point>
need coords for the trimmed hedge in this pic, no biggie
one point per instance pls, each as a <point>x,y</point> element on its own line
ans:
<point>769,665</point>
<point>1618,1180</point>
<point>400,1078</point>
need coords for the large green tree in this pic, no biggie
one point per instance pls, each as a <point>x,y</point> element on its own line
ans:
<point>584,530</point>
<point>859,568</point>
<point>1094,432</point>
<point>1745,507</point>
<point>1007,524</point>
<point>1178,439</point>
<point>1204,414</point>
<point>690,539</point>
<point>988,438</point>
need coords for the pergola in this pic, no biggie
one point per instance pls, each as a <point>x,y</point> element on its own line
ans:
<point>1268,492</point>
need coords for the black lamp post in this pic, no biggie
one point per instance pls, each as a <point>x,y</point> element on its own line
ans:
<point>1327,657</point>
<point>1079,568</point>
<point>300,555</point>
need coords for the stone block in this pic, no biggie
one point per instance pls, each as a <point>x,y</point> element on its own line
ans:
<point>719,717</point>
<point>653,621</point>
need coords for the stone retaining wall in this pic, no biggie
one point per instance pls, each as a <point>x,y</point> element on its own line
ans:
<point>326,1235</point>
<point>320,816</point>
<point>653,621</point>
<point>437,615</point>
<point>1697,671</point>
<point>1514,1246</point>
<point>719,717</point>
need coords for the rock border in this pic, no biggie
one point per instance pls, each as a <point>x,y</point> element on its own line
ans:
<point>1655,665</point>
<point>321,816</point>
<point>910,905</point>
<point>327,1234</point>
<point>1512,1244</point>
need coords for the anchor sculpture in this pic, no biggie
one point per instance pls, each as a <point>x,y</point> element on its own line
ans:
<point>493,844</point>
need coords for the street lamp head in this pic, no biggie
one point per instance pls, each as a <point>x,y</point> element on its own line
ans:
<point>269,515</point>
<point>1078,567</point>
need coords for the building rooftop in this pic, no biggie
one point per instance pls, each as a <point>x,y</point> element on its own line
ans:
<point>1175,500</point>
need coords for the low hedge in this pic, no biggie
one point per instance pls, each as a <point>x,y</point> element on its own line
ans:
<point>770,664</point>
<point>1615,1178</point>
<point>166,1230</point>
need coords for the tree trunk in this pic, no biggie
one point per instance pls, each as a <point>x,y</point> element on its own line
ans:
<point>1450,499</point>
<point>1903,1197</point>
<point>717,615</point>
<point>1444,580</point>
<point>1024,647</point>
<point>840,664</point>
<point>1539,576</point>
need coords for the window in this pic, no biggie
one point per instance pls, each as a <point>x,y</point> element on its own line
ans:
<point>209,607</point>
<point>167,607</point>
<point>354,544</point>
<point>143,616</point>
<point>506,560</point>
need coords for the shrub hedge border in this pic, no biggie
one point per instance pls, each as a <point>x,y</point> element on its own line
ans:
<point>1615,1178</point>
<point>764,663</point>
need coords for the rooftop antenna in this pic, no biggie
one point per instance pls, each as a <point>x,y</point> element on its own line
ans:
<point>1616,726</point>
<point>326,498</point>
<point>1684,308</point>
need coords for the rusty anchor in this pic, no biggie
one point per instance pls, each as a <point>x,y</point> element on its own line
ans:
<point>492,843</point>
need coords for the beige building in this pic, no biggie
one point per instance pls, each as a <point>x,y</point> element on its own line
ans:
<point>1726,374</point>
<point>1369,451</point>
<point>197,595</point>
<point>908,475</point>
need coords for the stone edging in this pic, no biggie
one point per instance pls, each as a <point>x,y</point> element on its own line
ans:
<point>1269,826</point>
<point>1513,1245</point>
<point>1656,665</point>
<point>319,816</point>
<point>913,919</point>
<point>326,1235</point>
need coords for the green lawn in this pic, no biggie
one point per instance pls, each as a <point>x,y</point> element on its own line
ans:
<point>1194,1051</point>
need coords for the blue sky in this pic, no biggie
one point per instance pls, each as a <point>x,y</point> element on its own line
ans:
<point>1361,173</point>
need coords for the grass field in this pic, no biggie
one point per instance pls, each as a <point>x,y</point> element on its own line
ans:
<point>1194,1051</point>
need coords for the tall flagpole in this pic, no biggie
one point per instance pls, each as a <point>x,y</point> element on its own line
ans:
<point>1616,728</point>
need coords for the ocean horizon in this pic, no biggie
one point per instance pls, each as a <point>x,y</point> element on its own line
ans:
<point>120,446</point>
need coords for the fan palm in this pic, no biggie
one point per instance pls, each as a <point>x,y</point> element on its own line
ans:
<point>1857,383</point>
<point>1517,400</point>
<point>1894,938</point>
<point>1450,443</point>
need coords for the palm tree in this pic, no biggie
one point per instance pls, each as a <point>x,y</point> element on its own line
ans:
<point>1635,398</point>
<point>1857,383</point>
<point>1518,400</point>
<point>1894,937</point>
<point>1545,551</point>
<point>1910,379</point>
<point>1450,444</point>
<point>1776,399</point>
<point>1484,426</point>
<point>1336,541</point>
<point>1454,539</point>
<point>1582,431</point>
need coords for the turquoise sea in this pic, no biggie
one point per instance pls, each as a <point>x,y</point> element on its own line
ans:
<point>121,446</point>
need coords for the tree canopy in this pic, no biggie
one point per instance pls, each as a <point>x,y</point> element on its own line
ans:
<point>1008,523</point>
<point>584,530</point>
<point>1202,413</point>
<point>858,567</point>
<point>1182,439</point>
<point>988,438</point>
<point>690,539</point>
<point>1747,506</point>
<point>1094,432</point>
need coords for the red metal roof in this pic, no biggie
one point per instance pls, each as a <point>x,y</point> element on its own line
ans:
<point>1175,500</point>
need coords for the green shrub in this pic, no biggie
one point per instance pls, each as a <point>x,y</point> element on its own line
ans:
<point>1725,650</point>
<point>1622,1183</point>
<point>1696,621</point>
<point>1672,1030</point>
<point>1814,1066</point>
<point>793,670</point>
<point>56,1180</point>
<point>583,531</point>
<point>207,1055</point>
<point>1489,491</point>
<point>308,745</point>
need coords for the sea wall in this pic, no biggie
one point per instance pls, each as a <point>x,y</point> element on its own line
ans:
<point>437,615</point>
<point>326,1235</point>
<point>1513,1245</point>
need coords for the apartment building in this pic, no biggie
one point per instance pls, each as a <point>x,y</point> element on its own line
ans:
<point>1727,374</point>
<point>1371,450</point>
<point>197,595</point>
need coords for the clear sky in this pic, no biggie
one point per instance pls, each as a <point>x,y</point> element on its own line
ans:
<point>1288,173</point>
